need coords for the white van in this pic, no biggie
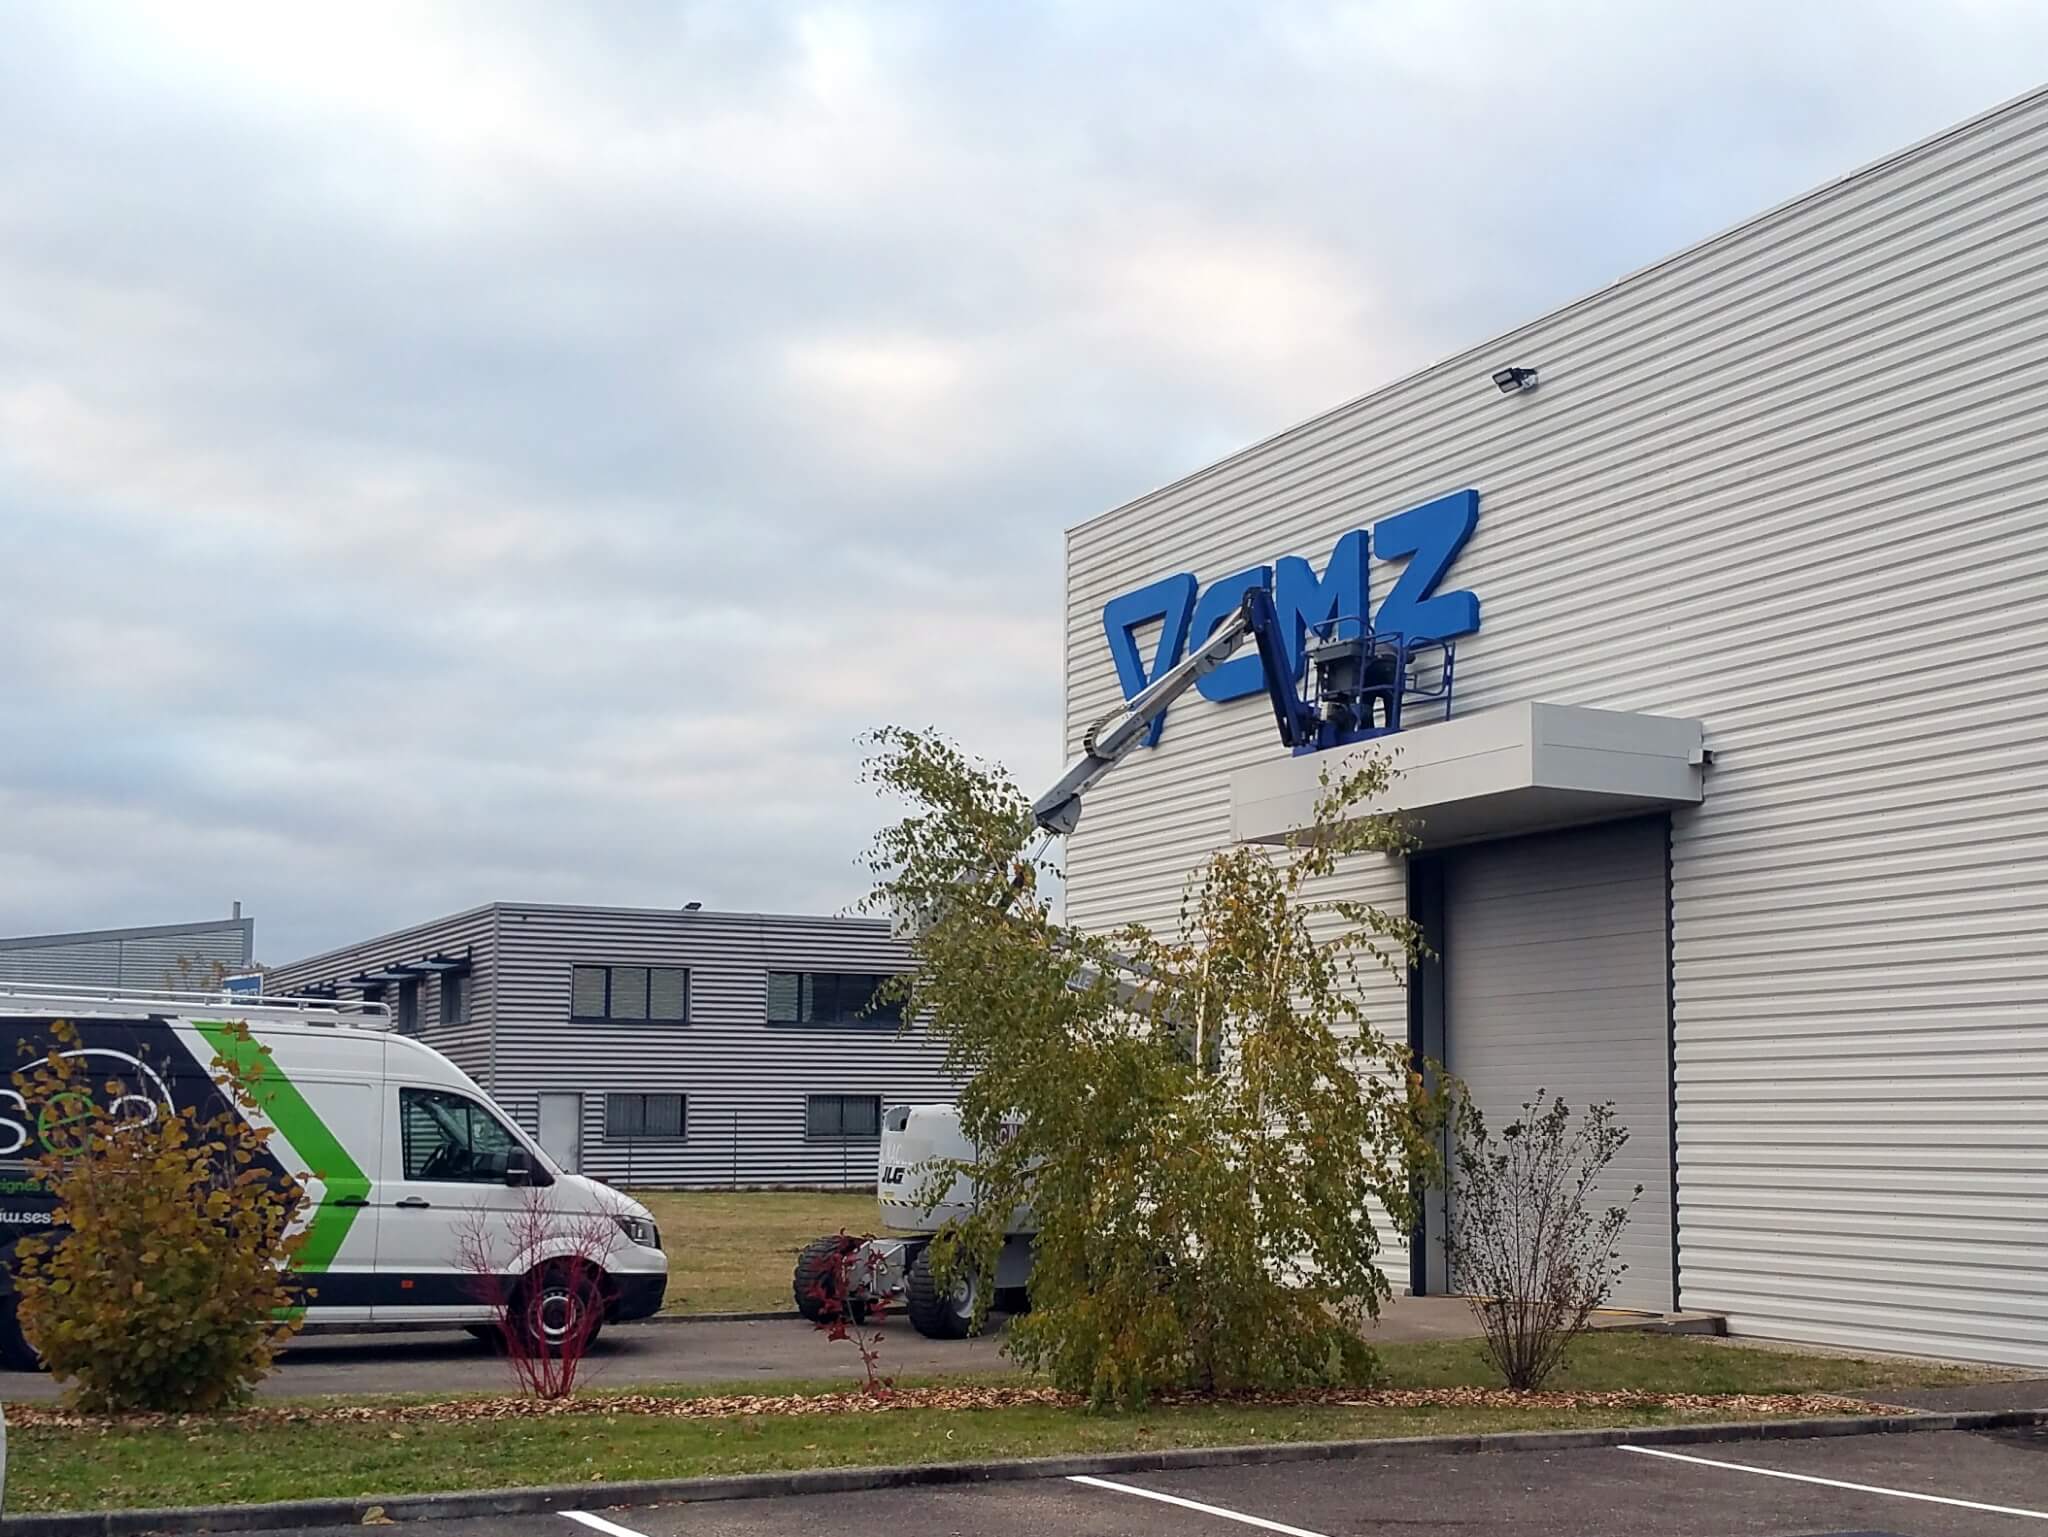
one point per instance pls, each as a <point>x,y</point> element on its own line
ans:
<point>410,1165</point>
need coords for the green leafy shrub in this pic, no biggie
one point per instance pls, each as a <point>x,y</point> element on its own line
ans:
<point>164,1289</point>
<point>1526,1235</point>
<point>1209,1153</point>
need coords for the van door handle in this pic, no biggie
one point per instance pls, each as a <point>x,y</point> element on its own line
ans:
<point>412,1203</point>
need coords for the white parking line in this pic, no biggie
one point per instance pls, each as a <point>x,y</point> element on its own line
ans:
<point>1207,1510</point>
<point>1836,1483</point>
<point>599,1524</point>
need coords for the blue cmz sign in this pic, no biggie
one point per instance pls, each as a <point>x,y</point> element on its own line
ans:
<point>1428,537</point>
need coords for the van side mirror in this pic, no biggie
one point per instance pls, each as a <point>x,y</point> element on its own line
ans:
<point>517,1170</point>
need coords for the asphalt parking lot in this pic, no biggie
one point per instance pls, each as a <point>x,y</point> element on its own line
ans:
<point>1947,1484</point>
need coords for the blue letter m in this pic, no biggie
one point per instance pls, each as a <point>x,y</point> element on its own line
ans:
<point>1303,602</point>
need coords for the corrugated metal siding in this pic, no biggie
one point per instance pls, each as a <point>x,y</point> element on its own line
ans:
<point>746,1080</point>
<point>171,957</point>
<point>467,1045</point>
<point>1789,482</point>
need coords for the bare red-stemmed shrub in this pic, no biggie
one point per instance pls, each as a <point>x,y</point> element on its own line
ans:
<point>1526,1234</point>
<point>851,1302</point>
<point>541,1272</point>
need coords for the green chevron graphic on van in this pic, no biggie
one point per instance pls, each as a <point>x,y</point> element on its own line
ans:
<point>326,1158</point>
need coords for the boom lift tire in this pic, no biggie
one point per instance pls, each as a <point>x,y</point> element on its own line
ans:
<point>936,1314</point>
<point>820,1280</point>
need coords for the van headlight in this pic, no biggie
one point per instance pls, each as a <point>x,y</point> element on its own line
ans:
<point>639,1230</point>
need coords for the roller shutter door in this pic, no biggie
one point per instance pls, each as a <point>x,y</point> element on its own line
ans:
<point>1555,976</point>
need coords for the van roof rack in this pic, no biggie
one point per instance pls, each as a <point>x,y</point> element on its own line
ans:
<point>313,1011</point>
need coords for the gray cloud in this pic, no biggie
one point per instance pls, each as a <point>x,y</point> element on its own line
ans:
<point>466,451</point>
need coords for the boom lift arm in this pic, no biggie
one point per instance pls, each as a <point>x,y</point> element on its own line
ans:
<point>1352,670</point>
<point>1058,811</point>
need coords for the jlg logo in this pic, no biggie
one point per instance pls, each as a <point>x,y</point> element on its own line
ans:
<point>1428,537</point>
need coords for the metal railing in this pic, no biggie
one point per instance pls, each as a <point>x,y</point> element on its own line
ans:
<point>318,1011</point>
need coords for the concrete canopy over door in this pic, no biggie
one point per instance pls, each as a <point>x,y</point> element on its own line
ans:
<point>1556,967</point>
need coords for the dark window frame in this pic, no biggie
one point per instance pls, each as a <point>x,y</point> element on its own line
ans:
<point>613,1096</point>
<point>887,1017</point>
<point>647,969</point>
<point>452,1005</point>
<point>840,1103</point>
<point>408,1011</point>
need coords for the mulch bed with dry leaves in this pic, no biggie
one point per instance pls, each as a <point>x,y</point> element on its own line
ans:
<point>854,1401</point>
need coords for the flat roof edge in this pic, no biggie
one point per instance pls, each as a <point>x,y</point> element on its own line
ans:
<point>145,931</point>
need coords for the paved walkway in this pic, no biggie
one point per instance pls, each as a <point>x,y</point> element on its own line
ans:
<point>631,1355</point>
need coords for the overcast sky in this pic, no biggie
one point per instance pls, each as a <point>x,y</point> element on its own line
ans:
<point>453,453</point>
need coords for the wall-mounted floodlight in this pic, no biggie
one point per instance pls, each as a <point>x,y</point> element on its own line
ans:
<point>1513,381</point>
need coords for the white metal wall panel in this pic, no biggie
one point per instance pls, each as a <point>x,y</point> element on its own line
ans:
<point>468,1044</point>
<point>165,957</point>
<point>1790,482</point>
<point>746,1081</point>
<point>1556,977</point>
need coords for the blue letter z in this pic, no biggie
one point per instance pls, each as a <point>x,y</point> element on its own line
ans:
<point>1431,535</point>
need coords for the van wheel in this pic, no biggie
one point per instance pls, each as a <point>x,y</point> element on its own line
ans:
<point>947,1315</point>
<point>559,1308</point>
<point>16,1353</point>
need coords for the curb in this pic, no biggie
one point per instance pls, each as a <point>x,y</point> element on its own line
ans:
<point>296,1514</point>
<point>1712,1324</point>
<point>711,1318</point>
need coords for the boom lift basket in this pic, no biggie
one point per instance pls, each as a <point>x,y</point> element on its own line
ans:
<point>1358,682</point>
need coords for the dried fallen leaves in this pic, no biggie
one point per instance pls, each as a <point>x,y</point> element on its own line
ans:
<point>746,1405</point>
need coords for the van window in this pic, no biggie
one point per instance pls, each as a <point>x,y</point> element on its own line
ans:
<point>451,1138</point>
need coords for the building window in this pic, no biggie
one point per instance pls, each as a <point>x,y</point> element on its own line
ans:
<point>841,1117</point>
<point>637,1116</point>
<point>830,998</point>
<point>408,1008</point>
<point>651,994</point>
<point>454,998</point>
<point>451,1139</point>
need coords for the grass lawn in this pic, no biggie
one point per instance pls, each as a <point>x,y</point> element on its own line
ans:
<point>734,1251</point>
<point>1675,1363</point>
<point>57,1469</point>
<point>67,1470</point>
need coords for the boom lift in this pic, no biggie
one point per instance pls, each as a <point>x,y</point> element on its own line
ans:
<point>1353,686</point>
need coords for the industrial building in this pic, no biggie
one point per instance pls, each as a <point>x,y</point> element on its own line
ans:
<point>659,1046</point>
<point>174,956</point>
<point>1730,780</point>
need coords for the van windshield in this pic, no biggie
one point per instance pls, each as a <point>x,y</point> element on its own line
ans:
<point>450,1137</point>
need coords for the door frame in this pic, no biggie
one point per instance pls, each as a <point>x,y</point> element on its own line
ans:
<point>1428,1268</point>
